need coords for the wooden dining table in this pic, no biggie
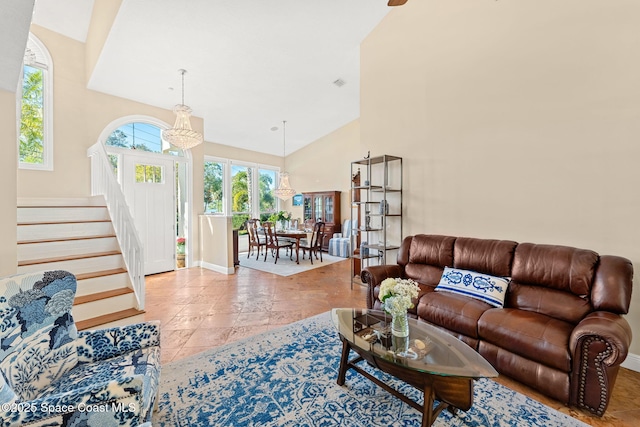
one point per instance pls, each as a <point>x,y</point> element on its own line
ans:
<point>295,234</point>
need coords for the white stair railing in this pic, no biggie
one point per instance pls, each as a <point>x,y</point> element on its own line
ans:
<point>104,183</point>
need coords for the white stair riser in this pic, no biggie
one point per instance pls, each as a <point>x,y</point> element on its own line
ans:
<point>104,306</point>
<point>103,283</point>
<point>62,231</point>
<point>57,214</point>
<point>122,322</point>
<point>78,266</point>
<point>59,201</point>
<point>66,248</point>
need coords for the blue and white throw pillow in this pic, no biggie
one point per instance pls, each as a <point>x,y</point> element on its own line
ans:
<point>490,289</point>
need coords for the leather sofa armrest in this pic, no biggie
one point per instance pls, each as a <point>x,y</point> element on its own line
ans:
<point>373,275</point>
<point>598,345</point>
<point>608,327</point>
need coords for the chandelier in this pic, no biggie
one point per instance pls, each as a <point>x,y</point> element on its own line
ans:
<point>284,191</point>
<point>181,135</point>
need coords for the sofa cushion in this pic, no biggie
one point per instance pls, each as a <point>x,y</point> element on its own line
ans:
<point>457,313</point>
<point>557,304</point>
<point>37,339</point>
<point>493,257</point>
<point>431,250</point>
<point>558,267</point>
<point>528,334</point>
<point>484,287</point>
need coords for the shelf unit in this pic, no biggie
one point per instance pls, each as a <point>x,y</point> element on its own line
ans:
<point>376,203</point>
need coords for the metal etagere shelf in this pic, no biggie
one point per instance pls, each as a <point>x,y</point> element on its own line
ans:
<point>376,205</point>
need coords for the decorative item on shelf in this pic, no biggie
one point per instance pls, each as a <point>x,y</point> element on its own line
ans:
<point>367,221</point>
<point>181,135</point>
<point>384,207</point>
<point>397,297</point>
<point>364,250</point>
<point>284,191</point>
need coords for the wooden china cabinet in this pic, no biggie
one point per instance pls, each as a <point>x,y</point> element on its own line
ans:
<point>323,206</point>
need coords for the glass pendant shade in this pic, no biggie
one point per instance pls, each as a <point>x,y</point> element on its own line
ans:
<point>284,191</point>
<point>181,135</point>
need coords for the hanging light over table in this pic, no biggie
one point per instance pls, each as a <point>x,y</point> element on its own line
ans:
<point>181,135</point>
<point>284,191</point>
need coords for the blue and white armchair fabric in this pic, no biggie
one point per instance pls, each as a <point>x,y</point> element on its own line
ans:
<point>340,245</point>
<point>53,375</point>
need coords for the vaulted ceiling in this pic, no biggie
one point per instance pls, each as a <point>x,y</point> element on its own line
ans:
<point>250,63</point>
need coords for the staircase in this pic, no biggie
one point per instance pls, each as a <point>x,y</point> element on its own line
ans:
<point>77,235</point>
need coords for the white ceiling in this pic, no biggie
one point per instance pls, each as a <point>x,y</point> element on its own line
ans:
<point>250,63</point>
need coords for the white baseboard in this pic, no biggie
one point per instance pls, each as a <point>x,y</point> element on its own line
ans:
<point>632,362</point>
<point>216,268</point>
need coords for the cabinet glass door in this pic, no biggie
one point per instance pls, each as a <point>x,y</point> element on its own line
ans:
<point>307,208</point>
<point>328,209</point>
<point>317,208</point>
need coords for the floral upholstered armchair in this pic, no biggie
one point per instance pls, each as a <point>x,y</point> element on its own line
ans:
<point>53,375</point>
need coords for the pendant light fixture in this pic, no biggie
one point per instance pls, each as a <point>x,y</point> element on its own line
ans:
<point>181,135</point>
<point>284,191</point>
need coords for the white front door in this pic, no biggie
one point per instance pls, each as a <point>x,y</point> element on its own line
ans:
<point>149,189</point>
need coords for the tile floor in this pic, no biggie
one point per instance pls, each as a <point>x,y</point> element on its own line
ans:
<point>200,309</point>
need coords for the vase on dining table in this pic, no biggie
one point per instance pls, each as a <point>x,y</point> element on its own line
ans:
<point>283,225</point>
<point>400,332</point>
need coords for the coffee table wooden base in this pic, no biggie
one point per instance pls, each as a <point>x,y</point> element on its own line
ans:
<point>452,393</point>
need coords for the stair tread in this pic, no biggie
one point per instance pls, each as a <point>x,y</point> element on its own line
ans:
<point>101,273</point>
<point>66,239</point>
<point>76,221</point>
<point>102,295</point>
<point>67,258</point>
<point>107,318</point>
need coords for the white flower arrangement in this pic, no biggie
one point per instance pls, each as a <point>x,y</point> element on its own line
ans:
<point>397,295</point>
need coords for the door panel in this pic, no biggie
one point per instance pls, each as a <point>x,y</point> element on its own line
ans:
<point>149,188</point>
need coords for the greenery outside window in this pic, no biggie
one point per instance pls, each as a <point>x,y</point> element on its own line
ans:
<point>231,188</point>
<point>141,136</point>
<point>213,187</point>
<point>35,108</point>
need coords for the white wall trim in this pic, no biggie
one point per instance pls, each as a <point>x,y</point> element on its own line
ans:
<point>214,267</point>
<point>632,362</point>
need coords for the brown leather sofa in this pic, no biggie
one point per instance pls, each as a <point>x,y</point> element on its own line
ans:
<point>561,330</point>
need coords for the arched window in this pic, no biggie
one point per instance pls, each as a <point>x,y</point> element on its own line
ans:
<point>141,136</point>
<point>35,107</point>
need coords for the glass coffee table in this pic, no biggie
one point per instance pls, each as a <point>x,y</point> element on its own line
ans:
<point>431,360</point>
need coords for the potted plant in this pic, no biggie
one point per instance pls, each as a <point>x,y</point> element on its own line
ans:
<point>180,251</point>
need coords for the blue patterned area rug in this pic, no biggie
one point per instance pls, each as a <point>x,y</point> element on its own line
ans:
<point>287,377</point>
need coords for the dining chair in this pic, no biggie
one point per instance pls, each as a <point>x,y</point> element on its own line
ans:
<point>274,243</point>
<point>308,224</point>
<point>255,240</point>
<point>314,246</point>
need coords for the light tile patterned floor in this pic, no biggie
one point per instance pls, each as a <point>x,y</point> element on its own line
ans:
<point>200,309</point>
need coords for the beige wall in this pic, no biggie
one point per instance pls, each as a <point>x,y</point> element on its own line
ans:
<point>8,166</point>
<point>516,120</point>
<point>325,165</point>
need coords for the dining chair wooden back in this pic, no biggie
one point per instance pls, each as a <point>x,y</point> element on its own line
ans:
<point>314,245</point>
<point>273,243</point>
<point>255,241</point>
